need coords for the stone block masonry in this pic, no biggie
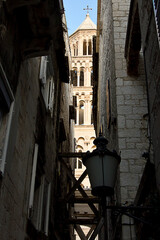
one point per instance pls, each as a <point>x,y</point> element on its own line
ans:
<point>131,108</point>
<point>128,105</point>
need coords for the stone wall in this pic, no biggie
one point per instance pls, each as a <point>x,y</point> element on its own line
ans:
<point>129,96</point>
<point>34,122</point>
<point>151,50</point>
<point>132,115</point>
<point>106,112</point>
<point>128,132</point>
<point>16,182</point>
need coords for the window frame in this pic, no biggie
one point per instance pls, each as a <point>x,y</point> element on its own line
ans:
<point>38,221</point>
<point>47,87</point>
<point>7,97</point>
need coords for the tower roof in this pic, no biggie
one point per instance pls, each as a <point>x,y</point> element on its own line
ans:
<point>87,24</point>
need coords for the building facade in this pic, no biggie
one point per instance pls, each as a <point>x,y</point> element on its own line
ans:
<point>145,29</point>
<point>122,105</point>
<point>82,79</point>
<point>35,120</point>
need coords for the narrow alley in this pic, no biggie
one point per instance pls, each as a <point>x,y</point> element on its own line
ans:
<point>79,121</point>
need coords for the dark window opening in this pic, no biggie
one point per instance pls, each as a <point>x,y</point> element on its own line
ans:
<point>84,47</point>
<point>79,164</point>
<point>74,77</point>
<point>91,77</point>
<point>89,47</point>
<point>81,78</point>
<point>81,113</point>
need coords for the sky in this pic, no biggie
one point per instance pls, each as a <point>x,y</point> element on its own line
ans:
<point>75,14</point>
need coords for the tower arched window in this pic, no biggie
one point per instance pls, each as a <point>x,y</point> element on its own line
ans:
<point>75,107</point>
<point>76,48</point>
<point>82,77</point>
<point>78,161</point>
<point>89,47</point>
<point>81,113</point>
<point>74,77</point>
<point>84,47</point>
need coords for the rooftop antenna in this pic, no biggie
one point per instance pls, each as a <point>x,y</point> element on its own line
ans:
<point>87,9</point>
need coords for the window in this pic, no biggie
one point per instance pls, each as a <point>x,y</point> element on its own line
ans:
<point>74,77</point>
<point>82,77</point>
<point>48,94</point>
<point>6,114</point>
<point>75,101</point>
<point>43,70</point>
<point>79,164</point>
<point>90,47</point>
<point>47,85</point>
<point>39,200</point>
<point>81,113</point>
<point>75,106</point>
<point>84,47</point>
<point>76,48</point>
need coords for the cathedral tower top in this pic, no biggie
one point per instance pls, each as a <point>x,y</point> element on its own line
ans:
<point>88,9</point>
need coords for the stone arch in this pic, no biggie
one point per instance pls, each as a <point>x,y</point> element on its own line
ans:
<point>80,141</point>
<point>93,148</point>
<point>81,138</point>
<point>92,139</point>
<point>79,147</point>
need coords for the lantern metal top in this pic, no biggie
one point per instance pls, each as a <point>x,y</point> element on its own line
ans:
<point>101,144</point>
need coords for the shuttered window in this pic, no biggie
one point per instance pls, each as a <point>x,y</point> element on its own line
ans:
<point>39,200</point>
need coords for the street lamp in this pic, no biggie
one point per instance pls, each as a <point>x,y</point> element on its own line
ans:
<point>102,167</point>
